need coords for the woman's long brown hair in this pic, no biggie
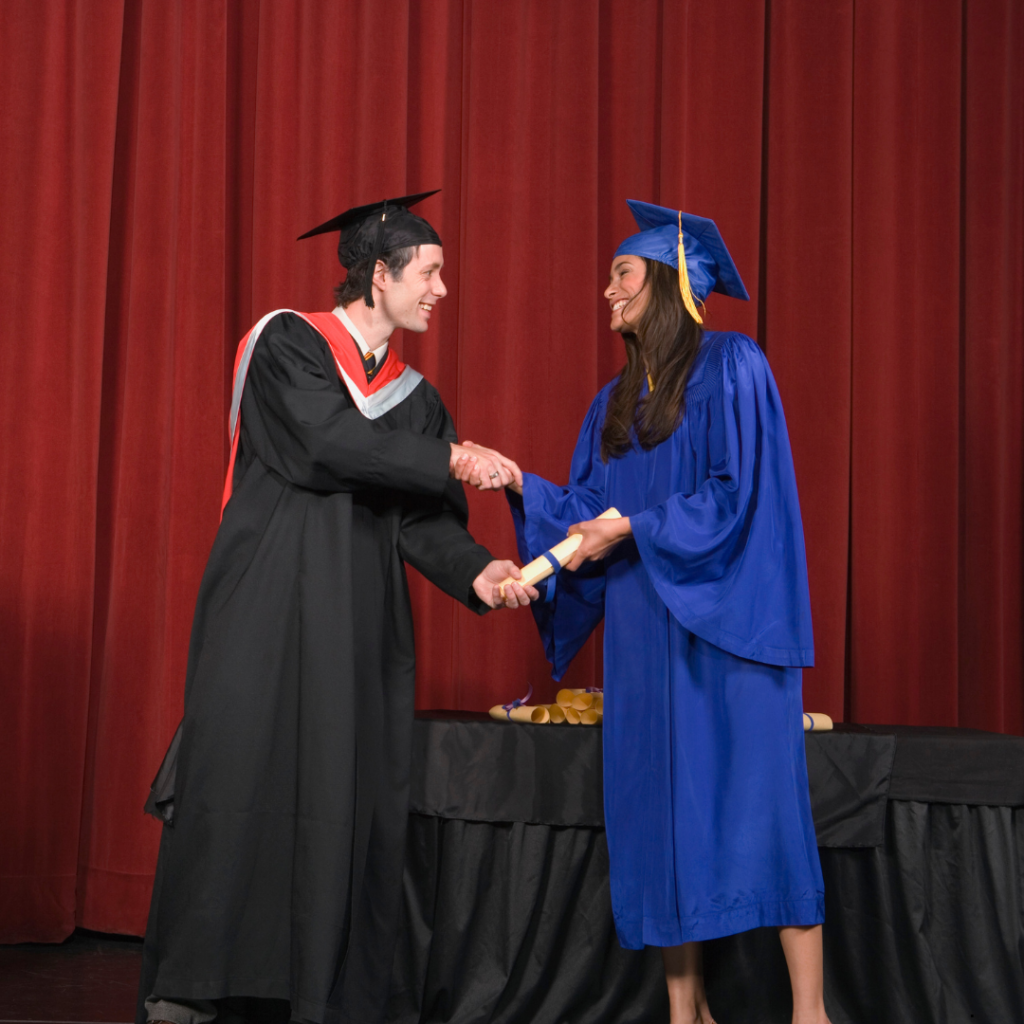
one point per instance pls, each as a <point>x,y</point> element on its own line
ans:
<point>665,344</point>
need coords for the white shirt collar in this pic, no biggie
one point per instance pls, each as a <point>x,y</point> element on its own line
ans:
<point>380,353</point>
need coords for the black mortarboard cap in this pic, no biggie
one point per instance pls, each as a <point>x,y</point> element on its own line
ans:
<point>369,231</point>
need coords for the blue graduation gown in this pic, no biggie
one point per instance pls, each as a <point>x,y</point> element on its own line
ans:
<point>707,625</point>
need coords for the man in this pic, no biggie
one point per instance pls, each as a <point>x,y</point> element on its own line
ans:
<point>280,876</point>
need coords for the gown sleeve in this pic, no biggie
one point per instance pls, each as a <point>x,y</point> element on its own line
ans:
<point>728,560</point>
<point>433,537</point>
<point>301,423</point>
<point>572,603</point>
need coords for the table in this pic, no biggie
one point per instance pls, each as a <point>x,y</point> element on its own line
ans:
<point>508,916</point>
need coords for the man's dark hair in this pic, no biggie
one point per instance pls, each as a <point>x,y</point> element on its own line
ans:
<point>666,342</point>
<point>354,285</point>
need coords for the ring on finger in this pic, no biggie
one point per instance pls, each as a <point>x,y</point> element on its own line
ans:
<point>494,476</point>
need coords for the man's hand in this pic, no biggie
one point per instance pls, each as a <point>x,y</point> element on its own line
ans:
<point>509,473</point>
<point>599,537</point>
<point>484,469</point>
<point>495,573</point>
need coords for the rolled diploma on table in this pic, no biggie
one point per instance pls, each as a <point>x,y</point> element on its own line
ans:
<point>541,568</point>
<point>535,713</point>
<point>544,714</point>
<point>557,713</point>
<point>814,721</point>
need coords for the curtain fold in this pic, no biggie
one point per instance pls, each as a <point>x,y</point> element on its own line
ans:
<point>991,493</point>
<point>161,429</point>
<point>807,248</point>
<point>906,359</point>
<point>59,94</point>
<point>863,160</point>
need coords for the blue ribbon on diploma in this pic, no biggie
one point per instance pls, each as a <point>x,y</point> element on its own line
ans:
<point>552,561</point>
<point>507,708</point>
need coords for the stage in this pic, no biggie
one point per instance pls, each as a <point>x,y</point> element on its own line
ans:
<point>506,891</point>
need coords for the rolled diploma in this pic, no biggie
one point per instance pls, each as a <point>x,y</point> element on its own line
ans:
<point>815,721</point>
<point>540,568</point>
<point>537,714</point>
<point>557,714</point>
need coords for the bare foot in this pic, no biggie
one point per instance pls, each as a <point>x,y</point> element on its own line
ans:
<point>699,1015</point>
<point>816,1016</point>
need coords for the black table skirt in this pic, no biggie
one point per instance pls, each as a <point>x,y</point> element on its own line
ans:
<point>506,895</point>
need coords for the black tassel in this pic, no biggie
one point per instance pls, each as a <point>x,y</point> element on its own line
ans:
<point>377,245</point>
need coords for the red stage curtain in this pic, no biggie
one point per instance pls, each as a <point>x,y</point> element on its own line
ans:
<point>863,161</point>
<point>59,83</point>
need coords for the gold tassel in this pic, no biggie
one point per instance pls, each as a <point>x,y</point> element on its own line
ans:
<point>684,278</point>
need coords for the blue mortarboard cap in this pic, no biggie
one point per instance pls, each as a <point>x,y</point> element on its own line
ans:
<point>708,263</point>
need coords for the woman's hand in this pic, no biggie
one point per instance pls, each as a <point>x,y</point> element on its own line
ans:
<point>509,474</point>
<point>599,537</point>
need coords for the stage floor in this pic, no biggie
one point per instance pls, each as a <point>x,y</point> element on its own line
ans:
<point>89,979</point>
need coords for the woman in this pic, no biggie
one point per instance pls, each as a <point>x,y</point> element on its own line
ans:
<point>703,587</point>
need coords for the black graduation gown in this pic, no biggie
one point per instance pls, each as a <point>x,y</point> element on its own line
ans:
<point>281,876</point>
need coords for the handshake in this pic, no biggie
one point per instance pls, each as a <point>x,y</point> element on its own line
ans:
<point>484,468</point>
<point>488,470</point>
<point>501,584</point>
